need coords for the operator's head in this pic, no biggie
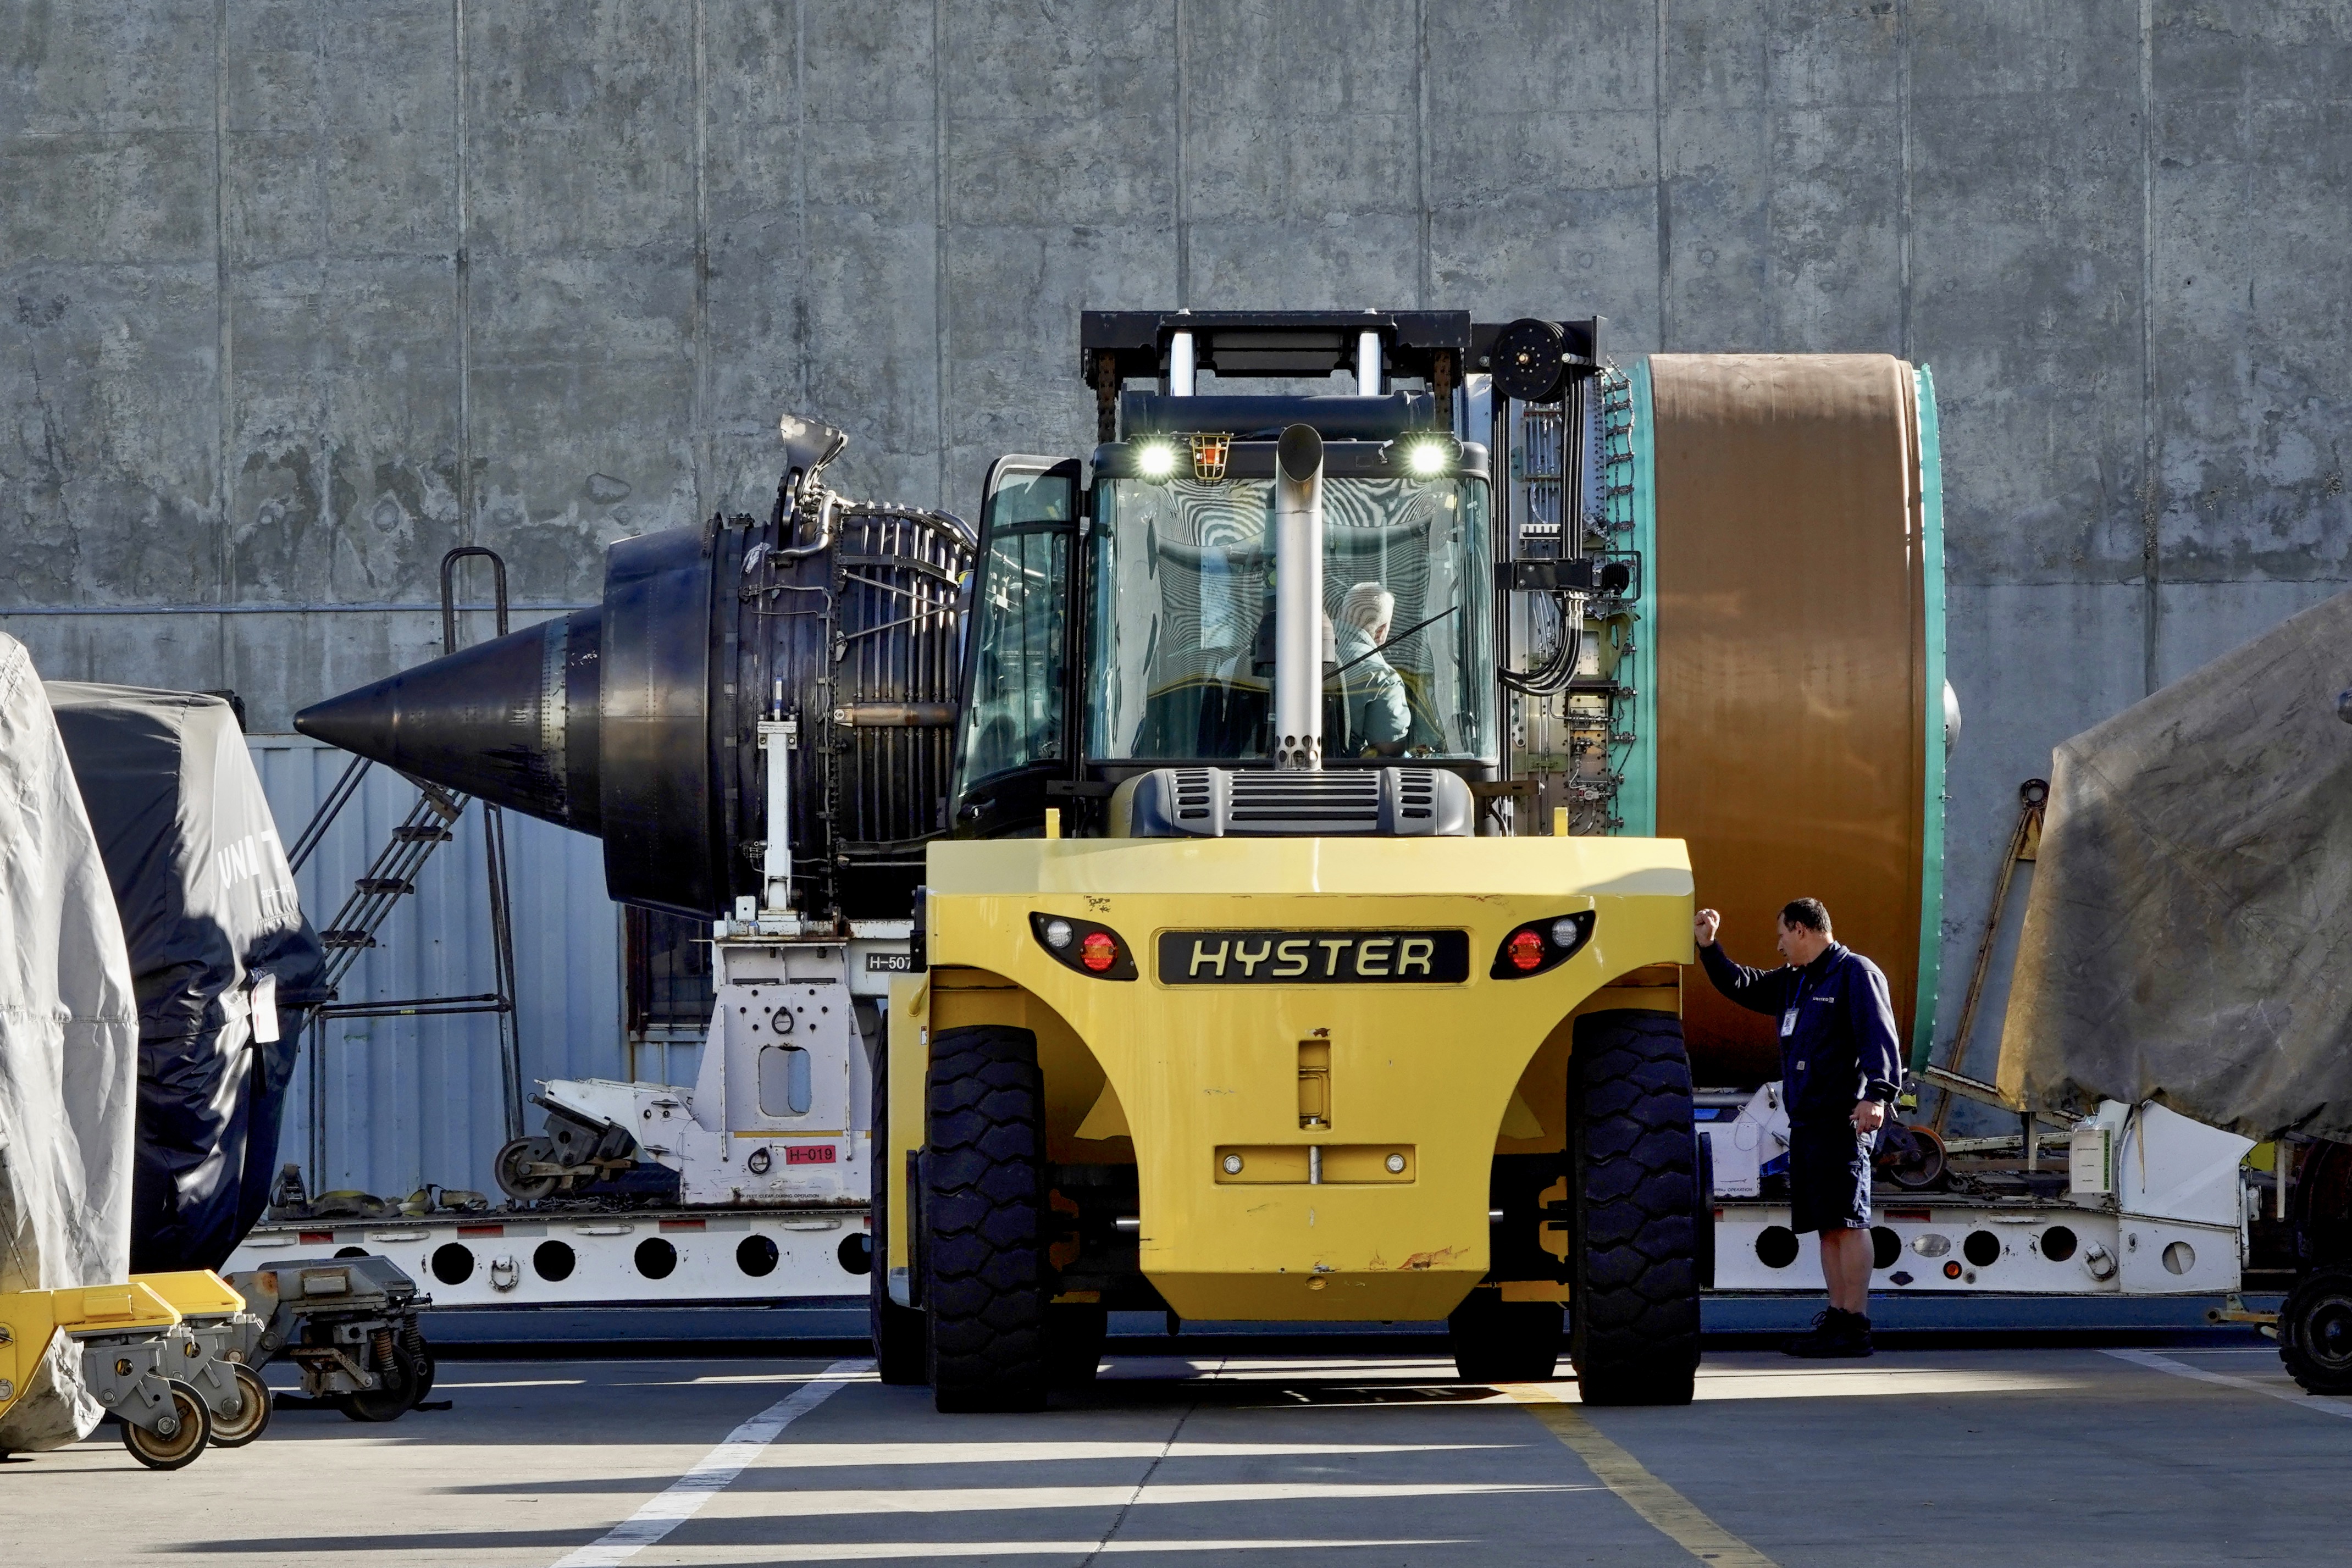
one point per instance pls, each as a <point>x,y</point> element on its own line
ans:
<point>1804,930</point>
<point>1368,607</point>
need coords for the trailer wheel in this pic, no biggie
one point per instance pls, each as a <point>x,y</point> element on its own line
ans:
<point>399,1385</point>
<point>1495,1340</point>
<point>193,1428</point>
<point>1633,1248</point>
<point>512,1168</point>
<point>984,1218</point>
<point>252,1417</point>
<point>1914,1156</point>
<point>896,1331</point>
<point>2314,1330</point>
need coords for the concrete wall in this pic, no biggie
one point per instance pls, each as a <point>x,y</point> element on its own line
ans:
<point>306,292</point>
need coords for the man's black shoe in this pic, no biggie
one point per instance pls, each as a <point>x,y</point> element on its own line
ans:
<point>1836,1336</point>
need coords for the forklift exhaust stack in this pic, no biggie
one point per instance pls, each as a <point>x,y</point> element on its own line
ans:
<point>1298,600</point>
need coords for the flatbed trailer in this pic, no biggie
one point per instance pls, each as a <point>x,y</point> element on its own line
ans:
<point>586,1257</point>
<point>1956,1244</point>
<point>2174,1219</point>
<point>2140,1201</point>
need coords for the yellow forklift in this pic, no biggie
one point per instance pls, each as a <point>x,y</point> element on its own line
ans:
<point>1236,996</point>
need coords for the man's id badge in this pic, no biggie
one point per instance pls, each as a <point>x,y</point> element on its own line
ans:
<point>1787,1023</point>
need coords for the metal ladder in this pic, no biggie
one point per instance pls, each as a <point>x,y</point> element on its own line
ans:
<point>391,876</point>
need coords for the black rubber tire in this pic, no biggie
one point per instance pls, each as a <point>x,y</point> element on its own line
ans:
<point>897,1332</point>
<point>253,1411</point>
<point>183,1447</point>
<point>1075,1332</point>
<point>2314,1330</point>
<point>1633,1248</point>
<point>398,1389</point>
<point>1495,1340</point>
<point>985,1270</point>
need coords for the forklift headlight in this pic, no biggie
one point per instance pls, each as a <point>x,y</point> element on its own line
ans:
<point>1157,460</point>
<point>1542,945</point>
<point>1094,951</point>
<point>1429,458</point>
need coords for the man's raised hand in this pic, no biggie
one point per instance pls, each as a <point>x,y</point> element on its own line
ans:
<point>1703,927</point>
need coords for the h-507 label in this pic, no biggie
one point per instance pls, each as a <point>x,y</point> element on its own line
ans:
<point>1291,957</point>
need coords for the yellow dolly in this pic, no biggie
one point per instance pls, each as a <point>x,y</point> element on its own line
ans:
<point>218,1345</point>
<point>161,1351</point>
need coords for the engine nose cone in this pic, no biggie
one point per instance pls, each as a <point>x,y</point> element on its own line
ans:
<point>513,721</point>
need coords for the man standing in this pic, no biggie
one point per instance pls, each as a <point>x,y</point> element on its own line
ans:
<point>1839,1070</point>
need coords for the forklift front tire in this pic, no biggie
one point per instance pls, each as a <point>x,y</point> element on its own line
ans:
<point>984,1217</point>
<point>1633,1248</point>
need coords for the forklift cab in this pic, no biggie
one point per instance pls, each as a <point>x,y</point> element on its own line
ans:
<point>1123,612</point>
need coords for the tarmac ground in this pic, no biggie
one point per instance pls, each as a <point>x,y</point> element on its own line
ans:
<point>2146,1450</point>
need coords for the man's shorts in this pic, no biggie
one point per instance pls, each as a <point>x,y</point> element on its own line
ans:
<point>1829,1176</point>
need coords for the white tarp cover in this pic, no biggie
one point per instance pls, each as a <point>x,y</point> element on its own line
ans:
<point>2189,938</point>
<point>68,1050</point>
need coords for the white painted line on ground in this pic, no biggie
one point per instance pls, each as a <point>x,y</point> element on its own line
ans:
<point>711,1474</point>
<point>866,1503</point>
<point>2156,1362</point>
<point>1014,1551</point>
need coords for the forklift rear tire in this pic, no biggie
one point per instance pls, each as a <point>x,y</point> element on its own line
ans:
<point>1495,1340</point>
<point>896,1331</point>
<point>1075,1332</point>
<point>187,1440</point>
<point>252,1417</point>
<point>2314,1330</point>
<point>1634,1243</point>
<point>984,1261</point>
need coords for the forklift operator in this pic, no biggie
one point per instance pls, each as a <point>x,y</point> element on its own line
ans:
<point>1839,1070</point>
<point>1378,716</point>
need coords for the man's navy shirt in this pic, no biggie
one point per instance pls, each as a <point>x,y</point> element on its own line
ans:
<point>1835,1024</point>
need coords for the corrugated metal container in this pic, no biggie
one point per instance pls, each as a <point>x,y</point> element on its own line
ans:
<point>387,1105</point>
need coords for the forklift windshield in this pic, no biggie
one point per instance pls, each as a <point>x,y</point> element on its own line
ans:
<point>1181,641</point>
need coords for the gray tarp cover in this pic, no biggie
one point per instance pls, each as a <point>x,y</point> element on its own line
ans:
<point>69,1051</point>
<point>215,932</point>
<point>2188,936</point>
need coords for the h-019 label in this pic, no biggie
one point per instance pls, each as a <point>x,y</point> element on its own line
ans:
<point>1314,958</point>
